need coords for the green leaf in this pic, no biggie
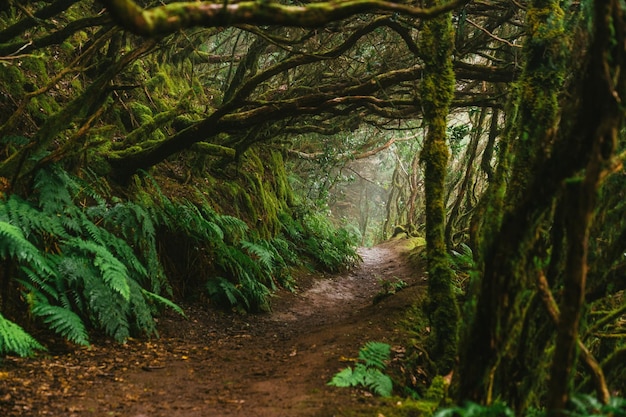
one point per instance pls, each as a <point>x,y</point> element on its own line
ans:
<point>375,354</point>
<point>13,339</point>
<point>114,272</point>
<point>378,383</point>
<point>164,301</point>
<point>345,378</point>
<point>65,322</point>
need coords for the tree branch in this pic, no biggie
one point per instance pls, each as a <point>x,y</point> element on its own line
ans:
<point>172,17</point>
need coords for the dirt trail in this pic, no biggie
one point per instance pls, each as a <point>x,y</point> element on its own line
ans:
<point>217,364</point>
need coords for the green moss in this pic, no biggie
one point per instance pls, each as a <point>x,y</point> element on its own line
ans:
<point>13,80</point>
<point>36,66</point>
<point>437,90</point>
<point>141,112</point>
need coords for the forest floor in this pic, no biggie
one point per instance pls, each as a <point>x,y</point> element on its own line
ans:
<point>224,364</point>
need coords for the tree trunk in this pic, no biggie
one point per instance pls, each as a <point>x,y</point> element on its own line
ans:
<point>437,90</point>
<point>515,249</point>
<point>581,195</point>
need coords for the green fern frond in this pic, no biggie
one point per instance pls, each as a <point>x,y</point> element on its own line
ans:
<point>108,310</point>
<point>222,290</point>
<point>232,225</point>
<point>14,244</point>
<point>164,301</point>
<point>377,382</point>
<point>89,229</point>
<point>141,310</point>
<point>122,251</point>
<point>263,254</point>
<point>63,321</point>
<point>52,186</point>
<point>368,372</point>
<point>344,379</point>
<point>375,354</point>
<point>114,272</point>
<point>13,339</point>
<point>286,250</point>
<point>28,218</point>
<point>244,270</point>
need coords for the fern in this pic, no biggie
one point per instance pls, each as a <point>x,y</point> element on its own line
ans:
<point>107,309</point>
<point>316,237</point>
<point>225,292</point>
<point>368,372</point>
<point>63,321</point>
<point>84,263</point>
<point>263,254</point>
<point>13,339</point>
<point>141,310</point>
<point>375,354</point>
<point>52,185</point>
<point>14,244</point>
<point>164,301</point>
<point>114,272</point>
<point>29,219</point>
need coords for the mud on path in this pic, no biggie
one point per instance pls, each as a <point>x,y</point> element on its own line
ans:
<point>218,364</point>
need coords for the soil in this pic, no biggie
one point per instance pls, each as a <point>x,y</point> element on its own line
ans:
<point>226,364</point>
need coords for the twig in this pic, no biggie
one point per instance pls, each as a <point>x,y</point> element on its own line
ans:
<point>592,364</point>
<point>512,45</point>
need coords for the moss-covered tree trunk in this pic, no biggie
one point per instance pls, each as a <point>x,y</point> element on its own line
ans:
<point>508,346</point>
<point>604,87</point>
<point>437,89</point>
<point>502,347</point>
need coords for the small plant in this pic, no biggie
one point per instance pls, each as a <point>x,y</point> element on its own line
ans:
<point>368,371</point>
<point>463,263</point>
<point>389,288</point>
<point>584,405</point>
<point>13,339</point>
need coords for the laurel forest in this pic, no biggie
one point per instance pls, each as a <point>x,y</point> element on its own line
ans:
<point>161,153</point>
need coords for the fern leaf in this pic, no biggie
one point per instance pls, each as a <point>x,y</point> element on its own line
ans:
<point>114,272</point>
<point>377,382</point>
<point>221,290</point>
<point>164,301</point>
<point>24,215</point>
<point>13,243</point>
<point>231,225</point>
<point>13,339</point>
<point>264,256</point>
<point>109,310</point>
<point>375,354</point>
<point>52,185</point>
<point>141,310</point>
<point>344,379</point>
<point>368,372</point>
<point>63,321</point>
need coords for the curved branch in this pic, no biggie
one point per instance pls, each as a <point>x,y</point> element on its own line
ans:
<point>33,20</point>
<point>172,17</point>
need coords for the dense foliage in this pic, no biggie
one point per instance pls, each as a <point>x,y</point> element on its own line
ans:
<point>136,169</point>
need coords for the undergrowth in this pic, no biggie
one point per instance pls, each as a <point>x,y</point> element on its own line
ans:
<point>313,236</point>
<point>85,260</point>
<point>580,405</point>
<point>368,370</point>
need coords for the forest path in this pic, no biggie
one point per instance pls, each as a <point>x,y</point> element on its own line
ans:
<point>217,364</point>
